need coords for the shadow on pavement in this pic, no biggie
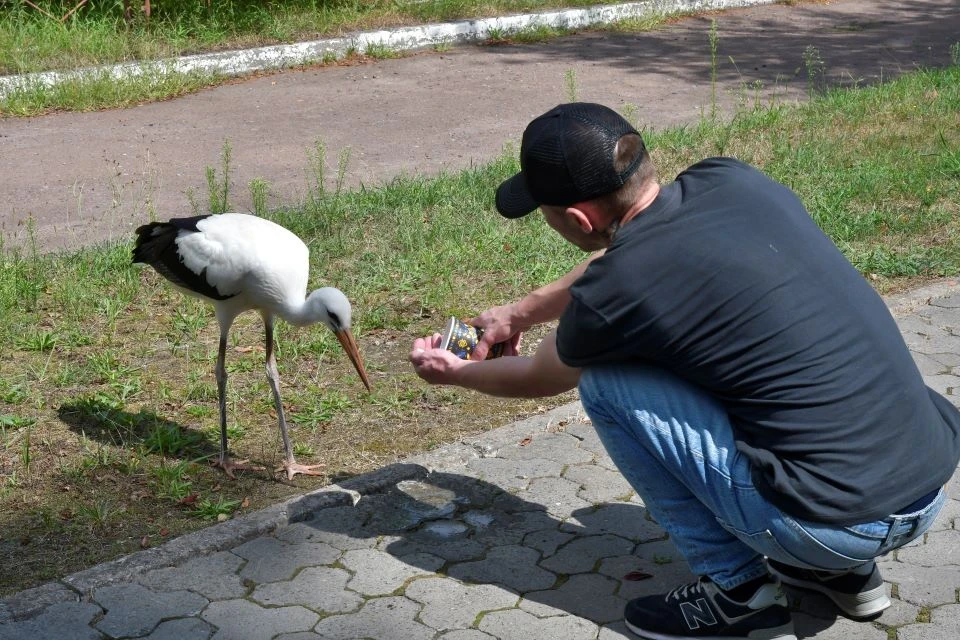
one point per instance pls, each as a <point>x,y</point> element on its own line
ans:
<point>587,564</point>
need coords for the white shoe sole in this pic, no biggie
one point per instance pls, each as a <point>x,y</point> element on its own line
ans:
<point>856,605</point>
<point>778,633</point>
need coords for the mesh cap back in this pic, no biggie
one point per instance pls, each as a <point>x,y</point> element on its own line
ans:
<point>567,156</point>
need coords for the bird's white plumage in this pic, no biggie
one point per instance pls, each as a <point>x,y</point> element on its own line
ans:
<point>266,265</point>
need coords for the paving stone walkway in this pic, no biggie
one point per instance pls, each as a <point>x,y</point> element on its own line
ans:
<point>524,533</point>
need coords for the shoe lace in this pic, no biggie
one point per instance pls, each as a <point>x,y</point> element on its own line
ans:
<point>687,590</point>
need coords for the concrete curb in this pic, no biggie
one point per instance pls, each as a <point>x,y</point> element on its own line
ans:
<point>235,63</point>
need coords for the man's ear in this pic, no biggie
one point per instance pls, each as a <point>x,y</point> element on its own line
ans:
<point>580,216</point>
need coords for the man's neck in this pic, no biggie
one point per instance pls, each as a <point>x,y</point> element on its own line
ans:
<point>647,196</point>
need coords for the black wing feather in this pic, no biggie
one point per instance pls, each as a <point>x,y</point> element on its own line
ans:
<point>156,246</point>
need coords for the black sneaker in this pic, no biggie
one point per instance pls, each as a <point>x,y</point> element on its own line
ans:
<point>859,593</point>
<point>701,610</point>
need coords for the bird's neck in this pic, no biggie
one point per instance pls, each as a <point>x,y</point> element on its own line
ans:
<point>300,313</point>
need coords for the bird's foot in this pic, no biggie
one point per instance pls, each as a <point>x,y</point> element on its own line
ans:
<point>293,468</point>
<point>229,466</point>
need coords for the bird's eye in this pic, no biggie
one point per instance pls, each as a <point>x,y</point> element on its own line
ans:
<point>334,319</point>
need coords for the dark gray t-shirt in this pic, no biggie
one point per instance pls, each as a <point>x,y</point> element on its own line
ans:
<point>726,281</point>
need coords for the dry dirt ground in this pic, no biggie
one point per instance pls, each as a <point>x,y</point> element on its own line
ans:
<point>86,177</point>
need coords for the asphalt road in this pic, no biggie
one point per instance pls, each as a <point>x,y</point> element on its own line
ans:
<point>89,177</point>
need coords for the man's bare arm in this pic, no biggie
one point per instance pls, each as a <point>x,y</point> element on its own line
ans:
<point>542,374</point>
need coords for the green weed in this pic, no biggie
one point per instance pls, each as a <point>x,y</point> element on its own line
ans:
<point>208,509</point>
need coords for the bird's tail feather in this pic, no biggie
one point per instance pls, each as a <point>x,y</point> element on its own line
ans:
<point>153,240</point>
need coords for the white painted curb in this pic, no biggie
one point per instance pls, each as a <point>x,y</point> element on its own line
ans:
<point>233,63</point>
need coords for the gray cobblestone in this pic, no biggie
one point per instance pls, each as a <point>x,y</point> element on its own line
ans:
<point>924,586</point>
<point>944,384</point>
<point>183,629</point>
<point>556,447</point>
<point>214,577</point>
<point>317,588</point>
<point>520,625</point>
<point>340,529</point>
<point>589,595</point>
<point>547,541</point>
<point>465,634</point>
<point>939,548</point>
<point>663,564</point>
<point>379,619</point>
<point>836,629</point>
<point>953,487</point>
<point>616,631</point>
<point>944,625</point>
<point>949,513</point>
<point>31,602</point>
<point>60,621</point>
<point>134,610</point>
<point>948,359</point>
<point>513,474</point>
<point>377,573</point>
<point>242,619</point>
<point>511,528</point>
<point>598,485</point>
<point>512,566</point>
<point>450,550</point>
<point>558,495</point>
<point>584,553</point>
<point>899,613</point>
<point>929,365</point>
<point>269,559</point>
<point>619,518</point>
<point>448,604</point>
<point>942,342</point>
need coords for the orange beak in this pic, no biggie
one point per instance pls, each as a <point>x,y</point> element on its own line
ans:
<point>350,346</point>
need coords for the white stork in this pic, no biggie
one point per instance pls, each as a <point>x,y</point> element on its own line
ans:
<point>240,262</point>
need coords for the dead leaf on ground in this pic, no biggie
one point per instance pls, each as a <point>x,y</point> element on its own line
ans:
<point>526,441</point>
<point>636,576</point>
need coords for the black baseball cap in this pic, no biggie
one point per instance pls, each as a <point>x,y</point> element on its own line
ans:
<point>566,157</point>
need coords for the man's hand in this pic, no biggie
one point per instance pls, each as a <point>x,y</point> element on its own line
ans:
<point>433,364</point>
<point>498,325</point>
<point>542,374</point>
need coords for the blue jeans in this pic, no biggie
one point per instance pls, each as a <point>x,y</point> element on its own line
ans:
<point>674,443</point>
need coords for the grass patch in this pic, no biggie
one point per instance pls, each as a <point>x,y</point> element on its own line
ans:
<point>108,411</point>
<point>101,90</point>
<point>98,34</point>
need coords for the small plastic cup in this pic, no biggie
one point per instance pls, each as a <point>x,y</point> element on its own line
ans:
<point>460,339</point>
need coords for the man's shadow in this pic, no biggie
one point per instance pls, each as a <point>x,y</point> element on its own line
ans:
<point>589,562</point>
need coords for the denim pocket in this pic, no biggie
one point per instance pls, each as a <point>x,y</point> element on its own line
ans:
<point>828,547</point>
<point>765,543</point>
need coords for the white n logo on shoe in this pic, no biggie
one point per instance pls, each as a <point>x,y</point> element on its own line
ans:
<point>696,613</point>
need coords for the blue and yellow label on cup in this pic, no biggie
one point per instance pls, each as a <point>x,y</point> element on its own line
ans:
<point>460,339</point>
